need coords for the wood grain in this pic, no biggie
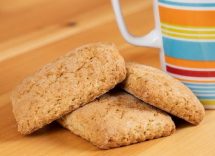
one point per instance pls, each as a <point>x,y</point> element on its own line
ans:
<point>34,32</point>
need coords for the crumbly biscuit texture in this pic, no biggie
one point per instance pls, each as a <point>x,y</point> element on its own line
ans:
<point>118,119</point>
<point>66,84</point>
<point>162,91</point>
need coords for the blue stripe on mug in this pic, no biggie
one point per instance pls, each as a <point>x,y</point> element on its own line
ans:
<point>204,92</point>
<point>187,4</point>
<point>202,89</point>
<point>200,84</point>
<point>206,97</point>
<point>189,50</point>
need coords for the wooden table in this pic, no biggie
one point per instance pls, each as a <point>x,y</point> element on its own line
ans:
<point>34,32</point>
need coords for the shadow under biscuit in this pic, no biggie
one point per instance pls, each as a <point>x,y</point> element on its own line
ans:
<point>180,123</point>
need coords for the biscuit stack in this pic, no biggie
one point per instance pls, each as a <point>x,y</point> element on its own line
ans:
<point>75,91</point>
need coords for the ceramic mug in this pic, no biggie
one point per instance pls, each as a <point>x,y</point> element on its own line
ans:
<point>185,33</point>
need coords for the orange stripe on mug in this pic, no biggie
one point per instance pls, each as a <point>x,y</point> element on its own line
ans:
<point>190,63</point>
<point>196,18</point>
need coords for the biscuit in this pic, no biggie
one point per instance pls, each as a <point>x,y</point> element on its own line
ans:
<point>162,91</point>
<point>66,84</point>
<point>118,119</point>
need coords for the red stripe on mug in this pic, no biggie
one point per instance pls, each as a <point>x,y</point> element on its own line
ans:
<point>190,72</point>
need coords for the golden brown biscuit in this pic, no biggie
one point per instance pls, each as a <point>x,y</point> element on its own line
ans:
<point>162,91</point>
<point>66,84</point>
<point>118,119</point>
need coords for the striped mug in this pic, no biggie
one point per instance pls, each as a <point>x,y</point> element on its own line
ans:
<point>185,33</point>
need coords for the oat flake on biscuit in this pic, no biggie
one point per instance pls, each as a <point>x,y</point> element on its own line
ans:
<point>66,84</point>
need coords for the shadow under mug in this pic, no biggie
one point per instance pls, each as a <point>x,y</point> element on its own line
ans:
<point>185,33</point>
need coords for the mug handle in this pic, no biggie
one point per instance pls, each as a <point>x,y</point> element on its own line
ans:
<point>152,39</point>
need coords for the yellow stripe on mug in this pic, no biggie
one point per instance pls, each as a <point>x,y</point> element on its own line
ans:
<point>189,36</point>
<point>187,30</point>
<point>208,102</point>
